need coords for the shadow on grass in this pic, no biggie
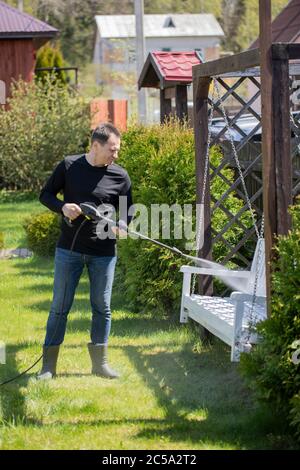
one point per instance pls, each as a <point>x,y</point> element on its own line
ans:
<point>133,325</point>
<point>196,392</point>
<point>204,400</point>
<point>202,395</point>
<point>12,400</point>
<point>43,266</point>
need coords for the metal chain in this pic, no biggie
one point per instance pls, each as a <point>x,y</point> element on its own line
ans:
<point>293,120</point>
<point>236,158</point>
<point>258,234</point>
<point>205,179</point>
<point>252,317</point>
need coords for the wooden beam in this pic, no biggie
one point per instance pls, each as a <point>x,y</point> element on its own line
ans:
<point>285,50</point>
<point>255,72</point>
<point>181,102</point>
<point>236,62</point>
<point>282,146</point>
<point>294,51</point>
<point>276,137</point>
<point>170,93</point>
<point>165,106</point>
<point>280,51</point>
<point>200,110</point>
<point>269,200</point>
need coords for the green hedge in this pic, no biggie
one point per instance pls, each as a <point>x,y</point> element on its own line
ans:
<point>44,123</point>
<point>160,161</point>
<point>42,232</point>
<point>270,368</point>
<point>49,56</point>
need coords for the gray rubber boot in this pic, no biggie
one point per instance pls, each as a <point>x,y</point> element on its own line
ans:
<point>98,354</point>
<point>50,355</point>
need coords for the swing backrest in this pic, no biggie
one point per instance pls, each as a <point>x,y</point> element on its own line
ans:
<point>258,268</point>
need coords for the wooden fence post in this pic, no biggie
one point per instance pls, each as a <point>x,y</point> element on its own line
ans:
<point>181,102</point>
<point>200,91</point>
<point>276,135</point>
<point>165,106</point>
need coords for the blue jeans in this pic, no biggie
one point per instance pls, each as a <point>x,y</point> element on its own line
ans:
<point>68,269</point>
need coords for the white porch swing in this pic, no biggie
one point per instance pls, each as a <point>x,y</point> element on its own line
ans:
<point>232,319</point>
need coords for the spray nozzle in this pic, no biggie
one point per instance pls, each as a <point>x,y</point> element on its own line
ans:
<point>90,211</point>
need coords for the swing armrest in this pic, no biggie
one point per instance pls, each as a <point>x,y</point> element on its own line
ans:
<point>215,272</point>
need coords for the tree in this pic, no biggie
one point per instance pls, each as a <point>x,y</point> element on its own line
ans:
<point>233,12</point>
<point>75,19</point>
<point>49,56</point>
<point>248,29</point>
<point>76,23</point>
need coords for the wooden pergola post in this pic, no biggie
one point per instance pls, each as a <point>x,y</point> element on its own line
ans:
<point>276,135</point>
<point>181,102</point>
<point>165,105</point>
<point>200,108</point>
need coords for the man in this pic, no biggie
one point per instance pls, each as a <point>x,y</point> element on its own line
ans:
<point>94,178</point>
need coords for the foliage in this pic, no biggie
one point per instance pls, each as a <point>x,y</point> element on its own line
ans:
<point>160,162</point>
<point>76,23</point>
<point>44,123</point>
<point>248,27</point>
<point>42,231</point>
<point>1,240</point>
<point>233,12</point>
<point>48,56</point>
<point>270,368</point>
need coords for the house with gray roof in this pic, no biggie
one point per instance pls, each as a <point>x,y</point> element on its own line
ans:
<point>115,37</point>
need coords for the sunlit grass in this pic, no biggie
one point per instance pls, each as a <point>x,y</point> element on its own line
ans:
<point>174,393</point>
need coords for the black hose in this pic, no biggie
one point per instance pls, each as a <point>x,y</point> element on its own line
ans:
<point>58,318</point>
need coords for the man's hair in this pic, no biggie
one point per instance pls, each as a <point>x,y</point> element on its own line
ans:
<point>103,131</point>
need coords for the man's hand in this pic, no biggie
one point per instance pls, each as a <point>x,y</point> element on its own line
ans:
<point>118,231</point>
<point>71,211</point>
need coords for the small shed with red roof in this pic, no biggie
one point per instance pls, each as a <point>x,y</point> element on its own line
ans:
<point>171,72</point>
<point>21,35</point>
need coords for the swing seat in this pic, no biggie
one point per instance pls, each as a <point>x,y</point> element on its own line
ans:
<point>232,319</point>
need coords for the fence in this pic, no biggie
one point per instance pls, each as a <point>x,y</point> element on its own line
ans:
<point>234,74</point>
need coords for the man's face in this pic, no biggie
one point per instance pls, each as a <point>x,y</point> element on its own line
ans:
<point>108,152</point>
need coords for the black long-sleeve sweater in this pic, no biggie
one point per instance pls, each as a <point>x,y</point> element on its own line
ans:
<point>82,182</point>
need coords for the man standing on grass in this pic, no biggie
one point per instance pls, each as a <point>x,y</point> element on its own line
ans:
<point>97,179</point>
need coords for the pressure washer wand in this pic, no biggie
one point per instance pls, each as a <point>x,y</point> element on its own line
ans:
<point>92,213</point>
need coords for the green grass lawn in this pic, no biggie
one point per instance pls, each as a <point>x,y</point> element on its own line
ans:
<point>13,210</point>
<point>174,393</point>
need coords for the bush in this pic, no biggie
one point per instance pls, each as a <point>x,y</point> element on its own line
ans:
<point>43,124</point>
<point>42,232</point>
<point>160,162</point>
<point>49,56</point>
<point>270,368</point>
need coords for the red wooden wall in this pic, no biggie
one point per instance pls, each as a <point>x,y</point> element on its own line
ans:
<point>17,59</point>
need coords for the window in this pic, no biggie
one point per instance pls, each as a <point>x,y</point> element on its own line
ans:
<point>169,23</point>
